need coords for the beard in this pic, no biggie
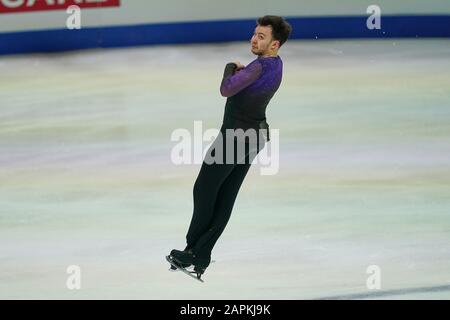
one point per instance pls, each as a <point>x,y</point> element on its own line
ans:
<point>257,51</point>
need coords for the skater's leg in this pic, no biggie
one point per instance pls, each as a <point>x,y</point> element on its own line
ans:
<point>206,188</point>
<point>225,202</point>
<point>224,205</point>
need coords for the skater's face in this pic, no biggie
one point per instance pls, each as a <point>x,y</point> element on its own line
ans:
<point>262,41</point>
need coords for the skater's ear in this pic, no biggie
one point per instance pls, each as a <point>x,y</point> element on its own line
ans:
<point>275,45</point>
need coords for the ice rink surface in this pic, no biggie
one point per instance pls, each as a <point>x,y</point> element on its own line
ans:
<point>86,176</point>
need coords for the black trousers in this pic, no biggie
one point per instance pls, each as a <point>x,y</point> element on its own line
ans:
<point>215,191</point>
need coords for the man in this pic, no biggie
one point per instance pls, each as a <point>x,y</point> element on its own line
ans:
<point>248,91</point>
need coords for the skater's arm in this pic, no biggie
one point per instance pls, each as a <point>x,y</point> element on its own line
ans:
<point>234,81</point>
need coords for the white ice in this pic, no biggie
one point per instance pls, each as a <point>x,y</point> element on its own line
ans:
<point>86,177</point>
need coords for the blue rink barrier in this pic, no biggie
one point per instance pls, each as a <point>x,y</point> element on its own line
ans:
<point>332,27</point>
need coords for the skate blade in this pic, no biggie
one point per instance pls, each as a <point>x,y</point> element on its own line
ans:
<point>190,274</point>
<point>173,269</point>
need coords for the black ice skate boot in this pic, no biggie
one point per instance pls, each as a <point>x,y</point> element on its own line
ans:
<point>179,256</point>
<point>188,258</point>
<point>200,265</point>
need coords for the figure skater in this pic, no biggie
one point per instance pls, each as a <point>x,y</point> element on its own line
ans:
<point>248,90</point>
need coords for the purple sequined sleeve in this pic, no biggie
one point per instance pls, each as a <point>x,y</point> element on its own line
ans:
<point>234,81</point>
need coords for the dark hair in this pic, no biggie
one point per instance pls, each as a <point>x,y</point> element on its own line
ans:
<point>281,29</point>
